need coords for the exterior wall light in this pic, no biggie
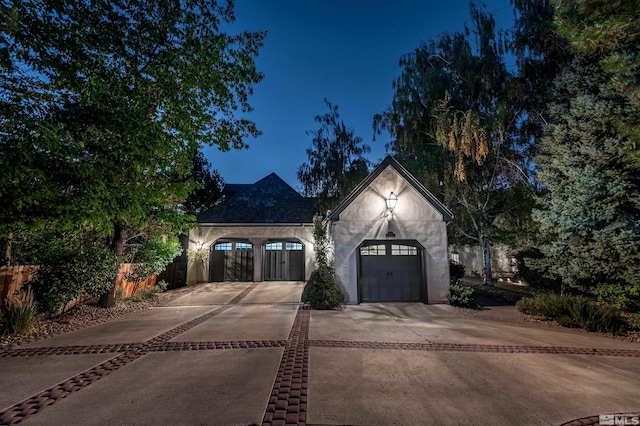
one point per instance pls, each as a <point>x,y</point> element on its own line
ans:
<point>199,245</point>
<point>392,200</point>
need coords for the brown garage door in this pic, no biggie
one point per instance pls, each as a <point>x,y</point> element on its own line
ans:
<point>231,261</point>
<point>283,261</point>
<point>390,271</point>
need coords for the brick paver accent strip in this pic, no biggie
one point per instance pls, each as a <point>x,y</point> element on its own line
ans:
<point>288,401</point>
<point>462,347</point>
<point>42,400</point>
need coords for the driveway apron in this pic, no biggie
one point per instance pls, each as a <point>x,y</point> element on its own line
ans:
<point>249,353</point>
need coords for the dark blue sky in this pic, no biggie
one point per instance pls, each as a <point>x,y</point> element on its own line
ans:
<point>344,50</point>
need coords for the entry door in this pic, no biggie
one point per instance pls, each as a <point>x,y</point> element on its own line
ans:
<point>390,272</point>
<point>284,261</point>
<point>231,261</point>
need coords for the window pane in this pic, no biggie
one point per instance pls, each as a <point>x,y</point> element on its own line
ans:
<point>293,246</point>
<point>401,250</point>
<point>376,250</point>
<point>222,246</point>
<point>244,246</point>
<point>273,246</point>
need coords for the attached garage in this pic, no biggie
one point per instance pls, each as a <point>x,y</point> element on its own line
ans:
<point>283,261</point>
<point>231,261</point>
<point>257,232</point>
<point>390,271</point>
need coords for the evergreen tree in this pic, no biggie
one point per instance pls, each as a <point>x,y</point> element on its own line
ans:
<point>610,30</point>
<point>589,213</point>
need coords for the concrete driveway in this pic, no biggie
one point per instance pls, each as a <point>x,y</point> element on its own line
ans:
<point>245,353</point>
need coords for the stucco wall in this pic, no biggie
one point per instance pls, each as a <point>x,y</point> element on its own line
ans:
<point>414,218</point>
<point>502,264</point>
<point>257,235</point>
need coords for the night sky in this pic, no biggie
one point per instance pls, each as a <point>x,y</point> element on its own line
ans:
<point>344,50</point>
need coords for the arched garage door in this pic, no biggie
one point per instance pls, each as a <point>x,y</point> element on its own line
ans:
<point>283,261</point>
<point>390,271</point>
<point>231,261</point>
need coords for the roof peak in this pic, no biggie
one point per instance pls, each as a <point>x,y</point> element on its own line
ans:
<point>389,160</point>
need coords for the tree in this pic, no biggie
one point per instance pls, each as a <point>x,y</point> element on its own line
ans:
<point>611,30</point>
<point>208,186</point>
<point>336,161</point>
<point>454,126</point>
<point>108,104</point>
<point>589,215</point>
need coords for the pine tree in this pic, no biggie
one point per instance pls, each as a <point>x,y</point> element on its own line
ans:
<point>589,213</point>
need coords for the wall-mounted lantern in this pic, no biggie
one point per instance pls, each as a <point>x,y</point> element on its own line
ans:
<point>392,201</point>
<point>199,245</point>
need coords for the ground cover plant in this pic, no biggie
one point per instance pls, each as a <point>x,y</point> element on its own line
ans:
<point>574,311</point>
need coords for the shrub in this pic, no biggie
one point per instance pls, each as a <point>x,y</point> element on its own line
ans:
<point>461,295</point>
<point>156,252</point>
<point>149,292</point>
<point>322,291</point>
<point>456,271</point>
<point>73,271</point>
<point>633,321</point>
<point>19,312</point>
<point>574,311</point>
<point>533,270</point>
<point>619,295</point>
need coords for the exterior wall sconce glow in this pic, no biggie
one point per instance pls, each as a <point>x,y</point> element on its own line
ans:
<point>199,245</point>
<point>392,201</point>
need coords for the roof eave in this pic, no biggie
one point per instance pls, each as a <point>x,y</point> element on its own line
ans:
<point>447,215</point>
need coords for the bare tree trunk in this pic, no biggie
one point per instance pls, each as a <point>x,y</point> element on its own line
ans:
<point>108,299</point>
<point>7,249</point>
<point>486,256</point>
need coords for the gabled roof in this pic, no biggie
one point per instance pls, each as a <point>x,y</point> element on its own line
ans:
<point>415,183</point>
<point>270,200</point>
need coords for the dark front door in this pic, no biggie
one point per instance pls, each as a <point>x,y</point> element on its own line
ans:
<point>231,261</point>
<point>390,271</point>
<point>283,261</point>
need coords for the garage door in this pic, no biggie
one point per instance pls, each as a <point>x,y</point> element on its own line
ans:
<point>231,261</point>
<point>390,271</point>
<point>283,261</point>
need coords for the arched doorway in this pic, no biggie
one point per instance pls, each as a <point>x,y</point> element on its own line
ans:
<point>390,271</point>
<point>231,260</point>
<point>283,261</point>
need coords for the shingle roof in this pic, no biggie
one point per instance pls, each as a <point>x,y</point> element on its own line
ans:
<point>233,188</point>
<point>270,200</point>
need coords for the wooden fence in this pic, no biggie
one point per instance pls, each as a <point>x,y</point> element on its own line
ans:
<point>12,278</point>
<point>130,288</point>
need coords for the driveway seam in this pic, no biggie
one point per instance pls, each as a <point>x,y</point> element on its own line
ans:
<point>464,347</point>
<point>48,397</point>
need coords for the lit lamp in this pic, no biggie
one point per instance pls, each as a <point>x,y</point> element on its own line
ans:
<point>199,245</point>
<point>392,200</point>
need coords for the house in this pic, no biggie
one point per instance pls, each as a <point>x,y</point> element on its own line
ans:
<point>389,237</point>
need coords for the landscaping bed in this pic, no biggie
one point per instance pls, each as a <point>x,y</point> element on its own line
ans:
<point>81,316</point>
